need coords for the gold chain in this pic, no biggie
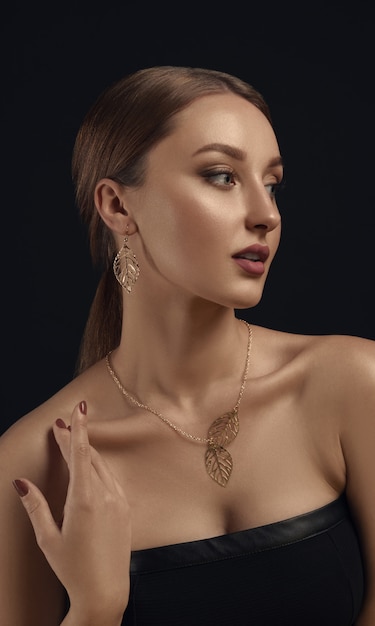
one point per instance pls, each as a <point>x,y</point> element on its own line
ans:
<point>179,430</point>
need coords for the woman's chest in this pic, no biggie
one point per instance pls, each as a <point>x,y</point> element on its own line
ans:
<point>277,471</point>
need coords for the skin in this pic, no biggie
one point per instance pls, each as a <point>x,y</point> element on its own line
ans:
<point>307,422</point>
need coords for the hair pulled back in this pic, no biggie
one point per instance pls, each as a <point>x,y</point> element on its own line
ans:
<point>126,121</point>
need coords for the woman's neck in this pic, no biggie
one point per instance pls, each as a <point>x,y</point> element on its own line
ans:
<point>180,355</point>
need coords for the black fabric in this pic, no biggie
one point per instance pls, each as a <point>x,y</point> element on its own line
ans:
<point>303,571</point>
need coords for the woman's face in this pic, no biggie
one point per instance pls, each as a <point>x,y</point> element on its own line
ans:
<point>208,223</point>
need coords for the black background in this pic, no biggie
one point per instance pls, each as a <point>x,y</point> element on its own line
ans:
<point>314,63</point>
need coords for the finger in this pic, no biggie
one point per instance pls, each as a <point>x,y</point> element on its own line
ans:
<point>62,437</point>
<point>37,508</point>
<point>103,470</point>
<point>80,452</point>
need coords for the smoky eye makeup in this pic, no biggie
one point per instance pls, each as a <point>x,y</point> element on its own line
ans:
<point>279,185</point>
<point>220,176</point>
<point>273,189</point>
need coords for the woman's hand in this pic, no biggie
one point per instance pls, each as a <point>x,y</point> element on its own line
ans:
<point>90,550</point>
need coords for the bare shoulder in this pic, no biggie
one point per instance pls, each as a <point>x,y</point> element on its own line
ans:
<point>27,447</point>
<point>343,367</point>
<point>330,358</point>
<point>333,375</point>
<point>346,352</point>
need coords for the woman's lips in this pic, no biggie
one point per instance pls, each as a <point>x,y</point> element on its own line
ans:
<point>252,259</point>
<point>251,267</point>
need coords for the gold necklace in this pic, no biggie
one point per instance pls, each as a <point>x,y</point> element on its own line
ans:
<point>222,431</point>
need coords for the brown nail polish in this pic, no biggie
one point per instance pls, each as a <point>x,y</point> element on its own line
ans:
<point>60,423</point>
<point>21,487</point>
<point>83,407</point>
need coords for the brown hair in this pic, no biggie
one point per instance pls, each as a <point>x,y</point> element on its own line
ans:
<point>124,123</point>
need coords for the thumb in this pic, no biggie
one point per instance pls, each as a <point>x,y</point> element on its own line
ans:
<point>45,527</point>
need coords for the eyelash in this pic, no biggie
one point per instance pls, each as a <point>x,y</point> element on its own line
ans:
<point>276,187</point>
<point>209,176</point>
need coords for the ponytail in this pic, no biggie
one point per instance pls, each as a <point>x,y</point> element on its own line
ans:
<point>103,327</point>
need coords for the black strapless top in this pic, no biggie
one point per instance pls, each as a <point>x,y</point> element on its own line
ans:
<point>303,571</point>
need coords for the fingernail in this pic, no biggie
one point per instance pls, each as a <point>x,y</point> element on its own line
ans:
<point>83,407</point>
<point>60,423</point>
<point>21,487</point>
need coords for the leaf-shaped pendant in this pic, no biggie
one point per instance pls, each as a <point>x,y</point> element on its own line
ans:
<point>224,429</point>
<point>218,464</point>
<point>126,268</point>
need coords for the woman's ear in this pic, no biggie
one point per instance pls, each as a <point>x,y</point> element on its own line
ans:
<point>110,203</point>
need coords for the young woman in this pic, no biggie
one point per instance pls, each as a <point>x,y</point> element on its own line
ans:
<point>198,469</point>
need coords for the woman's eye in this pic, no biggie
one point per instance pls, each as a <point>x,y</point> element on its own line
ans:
<point>273,188</point>
<point>222,178</point>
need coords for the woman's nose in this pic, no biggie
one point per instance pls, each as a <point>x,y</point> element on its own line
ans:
<point>262,211</point>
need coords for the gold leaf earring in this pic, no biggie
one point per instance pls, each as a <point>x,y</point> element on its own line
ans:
<point>125,266</point>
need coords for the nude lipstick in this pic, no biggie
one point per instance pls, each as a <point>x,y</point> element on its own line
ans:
<point>252,259</point>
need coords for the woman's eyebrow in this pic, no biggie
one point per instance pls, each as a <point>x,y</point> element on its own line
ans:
<point>276,161</point>
<point>235,153</point>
